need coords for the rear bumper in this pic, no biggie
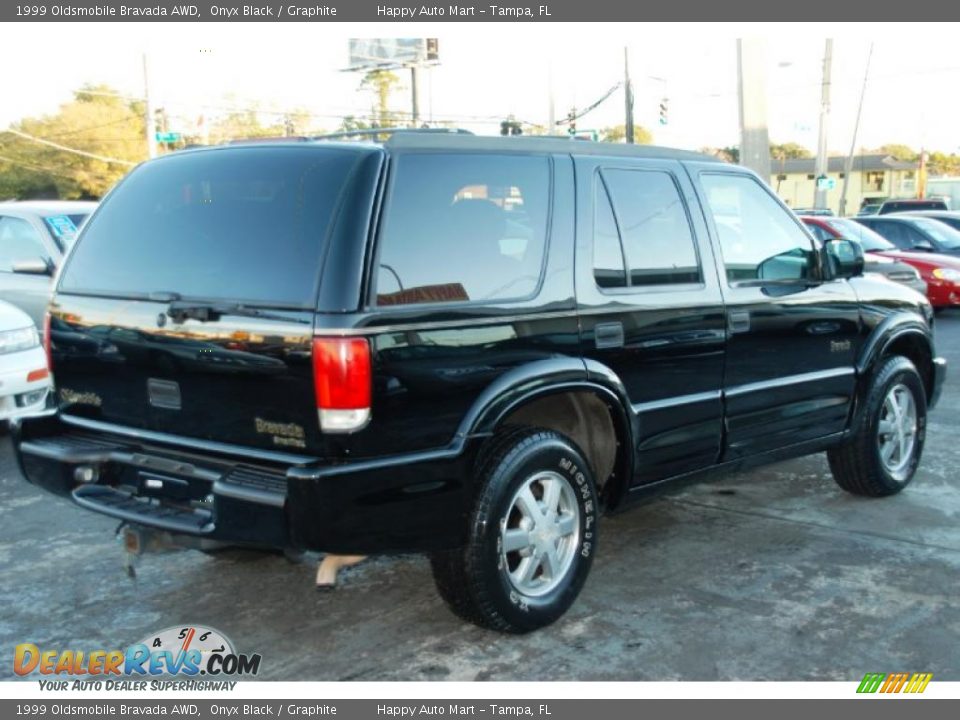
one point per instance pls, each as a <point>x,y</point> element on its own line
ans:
<point>409,503</point>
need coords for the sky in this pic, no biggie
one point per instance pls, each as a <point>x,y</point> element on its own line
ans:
<point>489,71</point>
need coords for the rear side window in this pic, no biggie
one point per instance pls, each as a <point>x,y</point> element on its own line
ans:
<point>642,235</point>
<point>242,224</point>
<point>869,239</point>
<point>463,228</point>
<point>65,227</point>
<point>818,232</point>
<point>894,232</point>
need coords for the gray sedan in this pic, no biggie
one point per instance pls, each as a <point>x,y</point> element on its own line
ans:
<point>34,235</point>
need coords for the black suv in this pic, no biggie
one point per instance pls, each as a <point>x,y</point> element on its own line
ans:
<point>468,347</point>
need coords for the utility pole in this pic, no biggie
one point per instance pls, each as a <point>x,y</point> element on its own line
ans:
<point>922,175</point>
<point>628,95</point>
<point>752,92</point>
<point>415,96</point>
<point>822,165</point>
<point>551,102</point>
<point>150,134</point>
<point>848,165</point>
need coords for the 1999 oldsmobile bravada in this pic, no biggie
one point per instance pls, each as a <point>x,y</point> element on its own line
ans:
<point>468,347</point>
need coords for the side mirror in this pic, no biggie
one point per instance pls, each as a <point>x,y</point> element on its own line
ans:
<point>844,257</point>
<point>34,266</point>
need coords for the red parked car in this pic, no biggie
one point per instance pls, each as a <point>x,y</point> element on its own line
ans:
<point>940,272</point>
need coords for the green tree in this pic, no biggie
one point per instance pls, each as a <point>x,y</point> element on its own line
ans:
<point>900,152</point>
<point>97,121</point>
<point>351,122</point>
<point>789,151</point>
<point>382,84</point>
<point>940,163</point>
<point>730,154</point>
<point>618,134</point>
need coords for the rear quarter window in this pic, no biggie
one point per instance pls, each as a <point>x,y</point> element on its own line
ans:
<point>462,228</point>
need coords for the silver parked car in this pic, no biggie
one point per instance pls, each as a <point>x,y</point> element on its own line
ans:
<point>34,235</point>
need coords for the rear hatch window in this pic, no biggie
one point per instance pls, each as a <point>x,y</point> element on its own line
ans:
<point>241,224</point>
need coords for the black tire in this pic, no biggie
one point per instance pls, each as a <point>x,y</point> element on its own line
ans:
<point>857,465</point>
<point>475,580</point>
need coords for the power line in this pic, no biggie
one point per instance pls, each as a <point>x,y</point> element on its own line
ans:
<point>573,117</point>
<point>253,108</point>
<point>91,127</point>
<point>64,148</point>
<point>47,169</point>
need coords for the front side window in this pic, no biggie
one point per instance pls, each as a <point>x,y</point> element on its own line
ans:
<point>759,239</point>
<point>642,234</point>
<point>463,228</point>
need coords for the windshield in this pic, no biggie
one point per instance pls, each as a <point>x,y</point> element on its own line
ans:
<point>64,228</point>
<point>869,239</point>
<point>243,224</point>
<point>944,235</point>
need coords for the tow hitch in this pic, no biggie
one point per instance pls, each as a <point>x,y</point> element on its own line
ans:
<point>138,540</point>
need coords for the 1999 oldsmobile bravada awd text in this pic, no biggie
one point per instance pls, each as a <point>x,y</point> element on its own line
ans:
<point>468,347</point>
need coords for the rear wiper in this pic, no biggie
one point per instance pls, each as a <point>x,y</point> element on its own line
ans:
<point>180,310</point>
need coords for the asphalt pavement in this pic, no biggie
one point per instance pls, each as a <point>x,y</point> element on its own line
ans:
<point>771,574</point>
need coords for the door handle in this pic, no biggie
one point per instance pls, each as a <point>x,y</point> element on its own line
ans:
<point>738,321</point>
<point>608,335</point>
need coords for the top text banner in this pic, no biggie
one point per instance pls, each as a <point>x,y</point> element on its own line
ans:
<point>387,11</point>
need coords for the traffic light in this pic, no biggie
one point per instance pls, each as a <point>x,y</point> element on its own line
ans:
<point>572,122</point>
<point>663,111</point>
<point>510,127</point>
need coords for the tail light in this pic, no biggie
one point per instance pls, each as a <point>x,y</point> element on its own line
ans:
<point>342,380</point>
<point>46,340</point>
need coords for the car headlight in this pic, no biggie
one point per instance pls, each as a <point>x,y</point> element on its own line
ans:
<point>947,274</point>
<point>17,340</point>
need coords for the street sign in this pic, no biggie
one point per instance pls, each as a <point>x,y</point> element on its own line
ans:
<point>167,137</point>
<point>826,183</point>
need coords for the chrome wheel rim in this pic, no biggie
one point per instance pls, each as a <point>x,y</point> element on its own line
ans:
<point>539,534</point>
<point>897,431</point>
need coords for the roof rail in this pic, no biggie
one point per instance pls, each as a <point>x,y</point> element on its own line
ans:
<point>267,138</point>
<point>374,132</point>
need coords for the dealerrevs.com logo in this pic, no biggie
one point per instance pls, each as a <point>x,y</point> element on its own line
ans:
<point>181,651</point>
<point>890,683</point>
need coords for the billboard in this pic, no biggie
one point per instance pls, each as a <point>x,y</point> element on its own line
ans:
<point>384,53</point>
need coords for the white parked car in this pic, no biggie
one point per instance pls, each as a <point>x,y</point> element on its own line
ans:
<point>24,378</point>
